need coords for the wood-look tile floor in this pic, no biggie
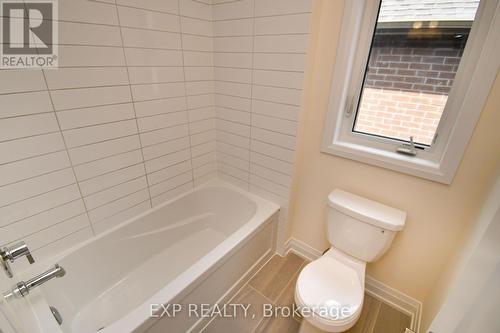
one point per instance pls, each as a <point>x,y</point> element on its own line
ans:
<point>275,284</point>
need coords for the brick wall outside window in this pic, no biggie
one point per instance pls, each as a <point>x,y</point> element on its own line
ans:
<point>407,85</point>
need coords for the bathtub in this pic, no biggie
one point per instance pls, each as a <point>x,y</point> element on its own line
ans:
<point>196,248</point>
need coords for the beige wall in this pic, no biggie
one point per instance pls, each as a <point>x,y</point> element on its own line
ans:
<point>437,213</point>
<point>478,248</point>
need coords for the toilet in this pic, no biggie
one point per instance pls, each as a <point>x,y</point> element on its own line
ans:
<point>330,290</point>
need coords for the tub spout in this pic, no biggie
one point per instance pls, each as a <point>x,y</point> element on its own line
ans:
<point>21,289</point>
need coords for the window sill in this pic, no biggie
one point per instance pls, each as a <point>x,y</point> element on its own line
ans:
<point>412,165</point>
<point>473,83</point>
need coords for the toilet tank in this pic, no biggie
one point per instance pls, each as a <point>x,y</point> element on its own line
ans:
<point>361,227</point>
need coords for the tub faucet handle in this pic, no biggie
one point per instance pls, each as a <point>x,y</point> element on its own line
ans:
<point>13,252</point>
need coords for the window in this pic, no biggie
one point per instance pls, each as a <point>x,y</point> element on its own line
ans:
<point>412,63</point>
<point>408,93</point>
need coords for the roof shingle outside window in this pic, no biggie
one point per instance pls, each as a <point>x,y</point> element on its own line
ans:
<point>427,10</point>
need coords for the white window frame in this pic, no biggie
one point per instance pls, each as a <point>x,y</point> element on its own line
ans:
<point>475,76</point>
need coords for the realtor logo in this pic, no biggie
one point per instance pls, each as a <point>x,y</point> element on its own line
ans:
<point>29,34</point>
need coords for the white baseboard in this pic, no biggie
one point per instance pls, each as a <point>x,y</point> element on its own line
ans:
<point>373,287</point>
<point>302,249</point>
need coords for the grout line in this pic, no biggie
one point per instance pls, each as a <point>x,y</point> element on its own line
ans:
<point>94,106</point>
<point>269,191</point>
<point>259,69</point>
<point>40,212</point>
<point>253,139</point>
<point>118,198</point>
<point>106,157</point>
<point>32,135</point>
<point>119,46</point>
<point>163,66</point>
<point>167,154</point>
<point>204,165</point>
<point>129,102</point>
<point>113,186</point>
<point>170,177</point>
<point>260,165</point>
<point>162,114</point>
<point>372,324</point>
<point>257,99</point>
<point>133,100</point>
<point>54,171</point>
<point>273,157</point>
<point>174,188</point>
<point>109,172</point>
<point>118,85</point>
<point>31,157</point>
<point>232,145</point>
<point>21,92</point>
<point>228,155</point>
<point>249,285</point>
<point>65,144</point>
<point>173,138</point>
<point>259,16</point>
<point>86,44</point>
<point>39,194</point>
<point>235,122</point>
<point>26,115</point>
<point>48,227</point>
<point>128,135</point>
<point>254,126</point>
<point>119,212</point>
<point>258,113</point>
<point>69,129</point>
<point>256,152</point>
<point>101,141</point>
<point>289,282</point>
<point>225,174</point>
<point>257,84</point>
<point>228,166</point>
<point>59,239</point>
<point>246,52</point>
<point>254,174</point>
<point>177,13</point>
<point>262,34</point>
<point>185,91</point>
<point>231,133</point>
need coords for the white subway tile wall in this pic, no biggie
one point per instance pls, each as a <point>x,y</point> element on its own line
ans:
<point>126,122</point>
<point>259,58</point>
<point>151,99</point>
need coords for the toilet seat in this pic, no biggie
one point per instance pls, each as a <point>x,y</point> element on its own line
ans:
<point>331,288</point>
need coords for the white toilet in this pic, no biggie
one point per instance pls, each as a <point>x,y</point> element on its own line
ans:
<point>330,290</point>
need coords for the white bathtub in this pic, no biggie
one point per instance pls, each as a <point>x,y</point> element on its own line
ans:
<point>192,249</point>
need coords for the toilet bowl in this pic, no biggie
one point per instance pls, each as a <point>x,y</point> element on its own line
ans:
<point>332,287</point>
<point>330,290</point>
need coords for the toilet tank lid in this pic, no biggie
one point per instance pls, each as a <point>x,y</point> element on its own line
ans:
<point>367,210</point>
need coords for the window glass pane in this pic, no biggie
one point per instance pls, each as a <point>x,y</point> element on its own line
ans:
<point>413,60</point>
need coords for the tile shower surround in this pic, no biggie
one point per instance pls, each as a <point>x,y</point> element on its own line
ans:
<point>150,99</point>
